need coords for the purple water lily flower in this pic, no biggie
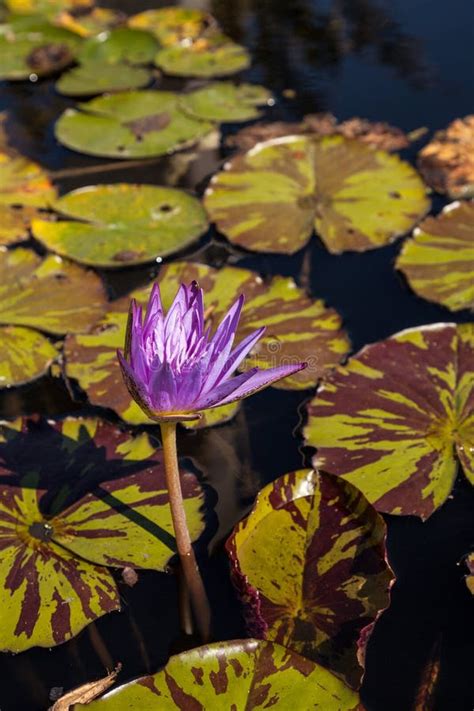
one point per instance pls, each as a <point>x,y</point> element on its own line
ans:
<point>174,367</point>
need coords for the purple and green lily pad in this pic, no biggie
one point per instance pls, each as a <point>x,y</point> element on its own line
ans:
<point>238,675</point>
<point>309,563</point>
<point>398,419</point>
<point>130,124</point>
<point>438,261</point>
<point>55,567</point>
<point>298,329</point>
<point>272,198</point>
<point>41,295</point>
<point>122,224</point>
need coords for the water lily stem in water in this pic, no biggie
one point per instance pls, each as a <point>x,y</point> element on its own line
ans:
<point>189,566</point>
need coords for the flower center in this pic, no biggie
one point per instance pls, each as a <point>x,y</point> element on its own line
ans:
<point>41,530</point>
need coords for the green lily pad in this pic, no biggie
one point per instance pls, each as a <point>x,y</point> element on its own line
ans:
<point>223,101</point>
<point>34,49</point>
<point>310,562</point>
<point>61,559</point>
<point>237,675</point>
<point>23,182</point>
<point>298,328</point>
<point>122,224</point>
<point>49,295</point>
<point>439,260</point>
<point>132,124</point>
<point>97,78</point>
<point>356,198</point>
<point>212,56</point>
<point>25,355</point>
<point>119,46</point>
<point>173,25</point>
<point>398,417</point>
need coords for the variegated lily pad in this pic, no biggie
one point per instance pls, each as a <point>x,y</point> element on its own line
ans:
<point>356,198</point>
<point>99,77</point>
<point>173,25</point>
<point>214,55</point>
<point>396,419</point>
<point>15,223</point>
<point>470,576</point>
<point>23,182</point>
<point>49,295</point>
<point>54,567</point>
<point>309,562</point>
<point>47,8</point>
<point>34,49</point>
<point>131,124</point>
<point>122,224</point>
<point>237,675</point>
<point>94,22</point>
<point>223,101</point>
<point>439,260</point>
<point>447,162</point>
<point>298,328</point>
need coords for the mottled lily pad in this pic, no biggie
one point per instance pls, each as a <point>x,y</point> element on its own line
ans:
<point>34,49</point>
<point>439,260</point>
<point>237,675</point>
<point>298,328</point>
<point>310,563</point>
<point>122,224</point>
<point>447,162</point>
<point>271,198</point>
<point>212,56</point>
<point>118,46</point>
<point>91,23</point>
<point>15,222</point>
<point>99,77</point>
<point>131,124</point>
<point>173,25</point>
<point>470,576</point>
<point>24,355</point>
<point>46,7</point>
<point>223,101</point>
<point>396,419</point>
<point>49,294</point>
<point>54,567</point>
<point>23,182</point>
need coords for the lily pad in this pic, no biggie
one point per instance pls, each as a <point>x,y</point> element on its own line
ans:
<point>238,675</point>
<point>122,224</point>
<point>439,260</point>
<point>470,576</point>
<point>34,49</point>
<point>310,563</point>
<point>23,182</point>
<point>99,77</point>
<point>447,162</point>
<point>223,101</point>
<point>173,25</point>
<point>118,46</point>
<point>46,7</point>
<point>212,56</point>
<point>131,124</point>
<point>24,355</point>
<point>15,222</point>
<point>298,328</point>
<point>54,568</point>
<point>90,23</point>
<point>271,198</point>
<point>396,419</point>
<point>48,294</point>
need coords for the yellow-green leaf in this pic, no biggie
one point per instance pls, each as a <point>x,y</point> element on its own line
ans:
<point>237,675</point>
<point>395,421</point>
<point>122,224</point>
<point>23,182</point>
<point>223,101</point>
<point>25,355</point>
<point>439,259</point>
<point>172,25</point>
<point>271,198</point>
<point>309,562</point>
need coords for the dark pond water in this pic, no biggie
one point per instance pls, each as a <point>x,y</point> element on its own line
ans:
<point>406,62</point>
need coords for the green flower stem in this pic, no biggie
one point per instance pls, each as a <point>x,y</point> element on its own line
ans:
<point>191,574</point>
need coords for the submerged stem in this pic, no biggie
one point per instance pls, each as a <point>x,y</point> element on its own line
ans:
<point>189,566</point>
